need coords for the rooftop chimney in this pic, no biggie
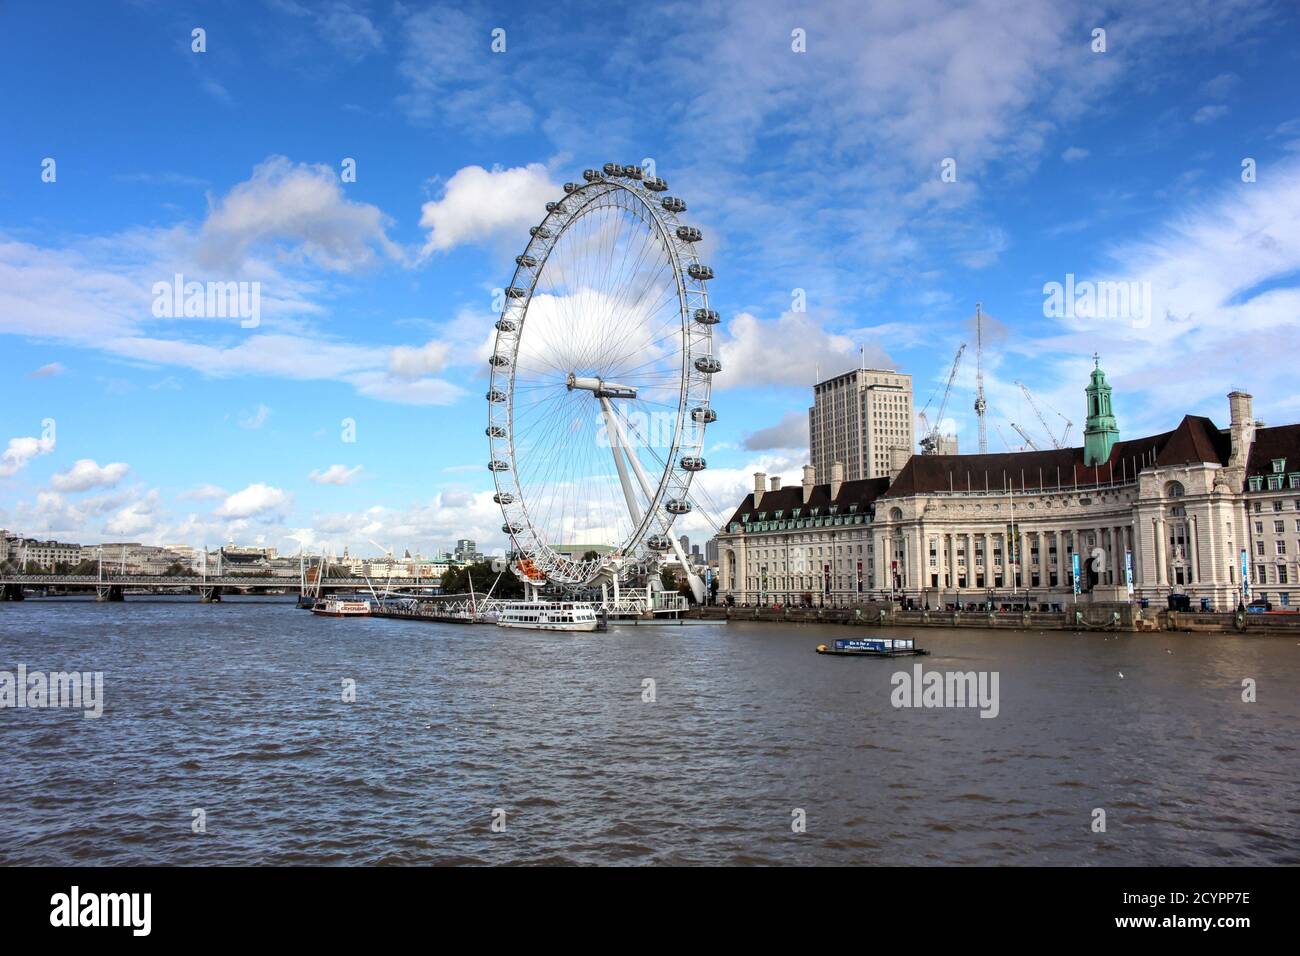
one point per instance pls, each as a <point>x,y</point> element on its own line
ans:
<point>759,483</point>
<point>1242,428</point>
<point>776,483</point>
<point>898,457</point>
<point>809,481</point>
<point>837,478</point>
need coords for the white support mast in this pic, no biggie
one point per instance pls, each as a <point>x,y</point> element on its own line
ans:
<point>620,446</point>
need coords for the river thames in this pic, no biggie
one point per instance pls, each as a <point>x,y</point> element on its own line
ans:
<point>236,710</point>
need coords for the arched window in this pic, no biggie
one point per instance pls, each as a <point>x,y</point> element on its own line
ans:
<point>1174,489</point>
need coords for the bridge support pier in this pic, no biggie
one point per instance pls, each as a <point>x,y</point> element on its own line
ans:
<point>210,595</point>
<point>109,592</point>
<point>11,592</point>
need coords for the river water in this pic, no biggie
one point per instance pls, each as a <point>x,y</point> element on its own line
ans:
<point>236,710</point>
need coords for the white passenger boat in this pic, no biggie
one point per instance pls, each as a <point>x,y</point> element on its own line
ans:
<point>334,607</point>
<point>548,616</point>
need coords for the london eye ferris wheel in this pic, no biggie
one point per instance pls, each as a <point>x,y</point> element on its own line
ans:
<point>601,375</point>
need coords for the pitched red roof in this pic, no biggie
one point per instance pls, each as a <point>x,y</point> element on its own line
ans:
<point>861,491</point>
<point>1195,439</point>
<point>1280,441</point>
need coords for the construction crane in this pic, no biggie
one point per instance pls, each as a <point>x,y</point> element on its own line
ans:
<point>981,406</point>
<point>930,435</point>
<point>1021,432</point>
<point>1056,443</point>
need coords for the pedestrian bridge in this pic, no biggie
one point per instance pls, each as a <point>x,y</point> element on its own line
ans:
<point>111,586</point>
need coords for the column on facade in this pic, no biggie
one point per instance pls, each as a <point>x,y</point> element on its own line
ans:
<point>883,557</point>
<point>1212,550</point>
<point>1044,558</point>
<point>922,578</point>
<point>1135,545</point>
<point>1116,555</point>
<point>941,546</point>
<point>1194,546</point>
<point>1162,572</point>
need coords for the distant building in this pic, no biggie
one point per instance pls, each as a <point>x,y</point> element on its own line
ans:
<point>856,418</point>
<point>466,551</point>
<point>46,555</point>
<point>1187,511</point>
<point>1273,511</point>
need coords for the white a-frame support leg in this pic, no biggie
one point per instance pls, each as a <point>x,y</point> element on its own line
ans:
<point>618,441</point>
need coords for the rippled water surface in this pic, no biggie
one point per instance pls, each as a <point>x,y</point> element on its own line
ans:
<point>236,709</point>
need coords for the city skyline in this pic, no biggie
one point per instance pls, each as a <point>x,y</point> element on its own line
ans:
<point>850,236</point>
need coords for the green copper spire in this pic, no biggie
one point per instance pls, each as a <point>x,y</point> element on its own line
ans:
<point>1101,432</point>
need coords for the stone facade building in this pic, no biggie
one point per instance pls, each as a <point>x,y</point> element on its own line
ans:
<point>1138,519</point>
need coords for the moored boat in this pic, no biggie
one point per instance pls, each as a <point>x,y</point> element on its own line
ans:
<point>874,647</point>
<point>548,616</point>
<point>336,607</point>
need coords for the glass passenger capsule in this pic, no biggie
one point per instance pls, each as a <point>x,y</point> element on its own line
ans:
<point>708,364</point>
<point>697,271</point>
<point>673,204</point>
<point>693,463</point>
<point>707,317</point>
<point>704,415</point>
<point>689,234</point>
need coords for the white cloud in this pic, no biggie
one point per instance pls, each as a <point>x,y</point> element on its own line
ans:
<point>1221,85</point>
<point>450,73</point>
<point>792,350</point>
<point>203,491</point>
<point>1209,113</point>
<point>479,205</point>
<point>350,31</point>
<point>87,473</point>
<point>256,500</point>
<point>1224,294</point>
<point>136,518</point>
<point>790,432</point>
<point>299,204</point>
<point>22,450</point>
<point>47,371</point>
<point>256,418</point>
<point>335,475</point>
<point>1072,154</point>
<point>407,363</point>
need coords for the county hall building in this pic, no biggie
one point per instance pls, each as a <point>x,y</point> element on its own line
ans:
<point>1180,513</point>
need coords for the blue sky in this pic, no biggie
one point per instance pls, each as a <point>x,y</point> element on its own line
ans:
<point>818,171</point>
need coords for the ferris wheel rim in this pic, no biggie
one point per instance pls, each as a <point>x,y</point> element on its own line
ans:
<point>694,385</point>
